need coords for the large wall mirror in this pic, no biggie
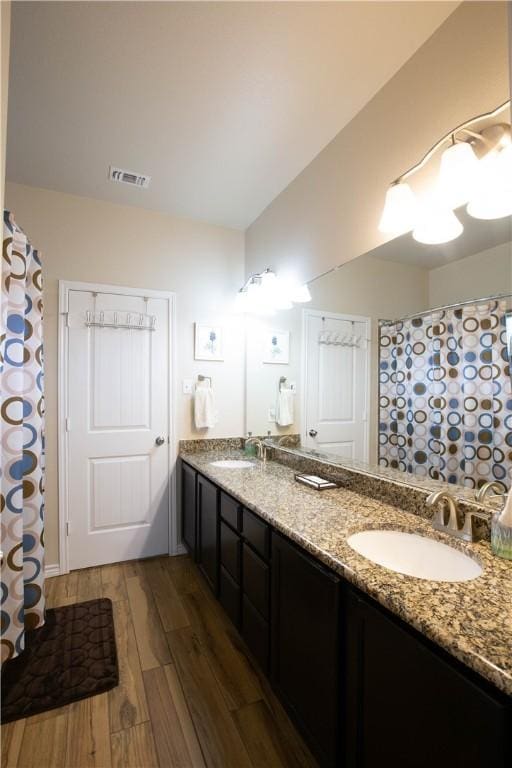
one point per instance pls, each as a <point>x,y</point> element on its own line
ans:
<point>400,360</point>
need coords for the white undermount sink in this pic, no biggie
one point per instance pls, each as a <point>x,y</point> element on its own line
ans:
<point>232,464</point>
<point>415,555</point>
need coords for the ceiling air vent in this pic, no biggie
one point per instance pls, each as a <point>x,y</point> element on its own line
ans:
<point>128,177</point>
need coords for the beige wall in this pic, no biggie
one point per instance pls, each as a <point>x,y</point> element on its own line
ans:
<point>5,40</point>
<point>329,214</point>
<point>482,274</point>
<point>93,241</point>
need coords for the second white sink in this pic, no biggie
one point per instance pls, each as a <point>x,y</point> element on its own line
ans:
<point>415,555</point>
<point>232,463</point>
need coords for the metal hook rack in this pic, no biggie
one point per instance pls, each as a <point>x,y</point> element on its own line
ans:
<point>135,321</point>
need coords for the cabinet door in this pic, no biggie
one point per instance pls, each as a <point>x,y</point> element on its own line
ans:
<point>305,657</point>
<point>256,633</point>
<point>408,705</point>
<point>230,551</point>
<point>256,581</point>
<point>188,508</point>
<point>208,531</point>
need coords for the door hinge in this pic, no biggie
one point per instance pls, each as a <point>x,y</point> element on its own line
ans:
<point>67,529</point>
<point>68,424</point>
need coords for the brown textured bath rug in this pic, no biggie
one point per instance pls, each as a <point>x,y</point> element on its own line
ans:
<point>71,657</point>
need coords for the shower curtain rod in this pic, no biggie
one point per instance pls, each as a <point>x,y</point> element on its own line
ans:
<point>446,306</point>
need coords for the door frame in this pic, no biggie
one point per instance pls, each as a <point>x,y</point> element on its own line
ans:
<point>65,286</point>
<point>304,369</point>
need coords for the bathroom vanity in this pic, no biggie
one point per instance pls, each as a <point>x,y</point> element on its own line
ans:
<point>366,661</point>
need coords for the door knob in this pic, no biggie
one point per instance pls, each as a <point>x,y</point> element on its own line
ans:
<point>160,440</point>
<point>313,433</point>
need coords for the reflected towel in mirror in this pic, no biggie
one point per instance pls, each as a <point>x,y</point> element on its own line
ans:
<point>284,407</point>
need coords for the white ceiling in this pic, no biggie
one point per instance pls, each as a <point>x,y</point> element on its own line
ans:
<point>223,104</point>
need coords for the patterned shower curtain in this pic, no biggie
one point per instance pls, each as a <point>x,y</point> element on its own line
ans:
<point>22,439</point>
<point>445,408</point>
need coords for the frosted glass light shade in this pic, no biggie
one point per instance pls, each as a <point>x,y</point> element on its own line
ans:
<point>492,198</point>
<point>400,210</point>
<point>241,303</point>
<point>436,224</point>
<point>458,173</point>
<point>301,294</point>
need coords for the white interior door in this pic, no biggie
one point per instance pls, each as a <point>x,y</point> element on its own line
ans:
<point>336,384</point>
<point>118,429</point>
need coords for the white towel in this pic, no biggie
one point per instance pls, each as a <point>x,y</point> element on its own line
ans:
<point>205,410</point>
<point>284,407</point>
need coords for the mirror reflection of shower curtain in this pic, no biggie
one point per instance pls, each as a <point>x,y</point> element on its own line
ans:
<point>445,409</point>
<point>22,440</point>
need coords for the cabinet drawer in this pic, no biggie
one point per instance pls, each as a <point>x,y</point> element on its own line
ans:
<point>257,533</point>
<point>231,511</point>
<point>229,596</point>
<point>230,551</point>
<point>255,631</point>
<point>256,581</point>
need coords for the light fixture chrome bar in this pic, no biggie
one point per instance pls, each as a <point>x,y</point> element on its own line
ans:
<point>252,278</point>
<point>426,157</point>
<point>457,305</point>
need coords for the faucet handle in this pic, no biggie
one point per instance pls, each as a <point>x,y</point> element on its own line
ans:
<point>468,530</point>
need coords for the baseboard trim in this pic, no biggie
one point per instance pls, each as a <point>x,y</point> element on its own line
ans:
<point>181,549</point>
<point>52,570</point>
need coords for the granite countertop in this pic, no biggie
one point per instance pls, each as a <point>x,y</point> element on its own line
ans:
<point>471,620</point>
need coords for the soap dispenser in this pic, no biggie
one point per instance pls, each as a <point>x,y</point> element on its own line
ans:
<point>501,530</point>
<point>249,448</point>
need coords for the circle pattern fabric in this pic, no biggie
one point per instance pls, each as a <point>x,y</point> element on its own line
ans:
<point>445,401</point>
<point>22,441</point>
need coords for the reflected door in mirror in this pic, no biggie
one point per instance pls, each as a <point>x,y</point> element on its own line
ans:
<point>336,384</point>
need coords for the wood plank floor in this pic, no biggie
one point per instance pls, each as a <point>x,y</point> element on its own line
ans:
<point>189,695</point>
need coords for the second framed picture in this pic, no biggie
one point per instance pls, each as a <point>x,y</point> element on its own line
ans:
<point>276,347</point>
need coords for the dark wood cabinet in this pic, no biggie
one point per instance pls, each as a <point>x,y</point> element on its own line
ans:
<point>305,651</point>
<point>409,705</point>
<point>230,551</point>
<point>257,533</point>
<point>256,633</point>
<point>188,508</point>
<point>230,597</point>
<point>231,511</point>
<point>256,581</point>
<point>255,604</point>
<point>364,688</point>
<point>208,531</point>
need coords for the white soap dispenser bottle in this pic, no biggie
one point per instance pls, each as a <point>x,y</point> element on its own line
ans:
<point>501,530</point>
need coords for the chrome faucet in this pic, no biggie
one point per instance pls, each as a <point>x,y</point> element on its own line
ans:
<point>439,519</point>
<point>485,491</point>
<point>261,448</point>
<point>468,531</point>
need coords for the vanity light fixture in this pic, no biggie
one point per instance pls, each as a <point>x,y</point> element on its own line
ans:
<point>476,168</point>
<point>264,293</point>
<point>436,224</point>
<point>492,196</point>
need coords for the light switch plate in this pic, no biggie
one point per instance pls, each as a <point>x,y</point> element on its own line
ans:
<point>188,386</point>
